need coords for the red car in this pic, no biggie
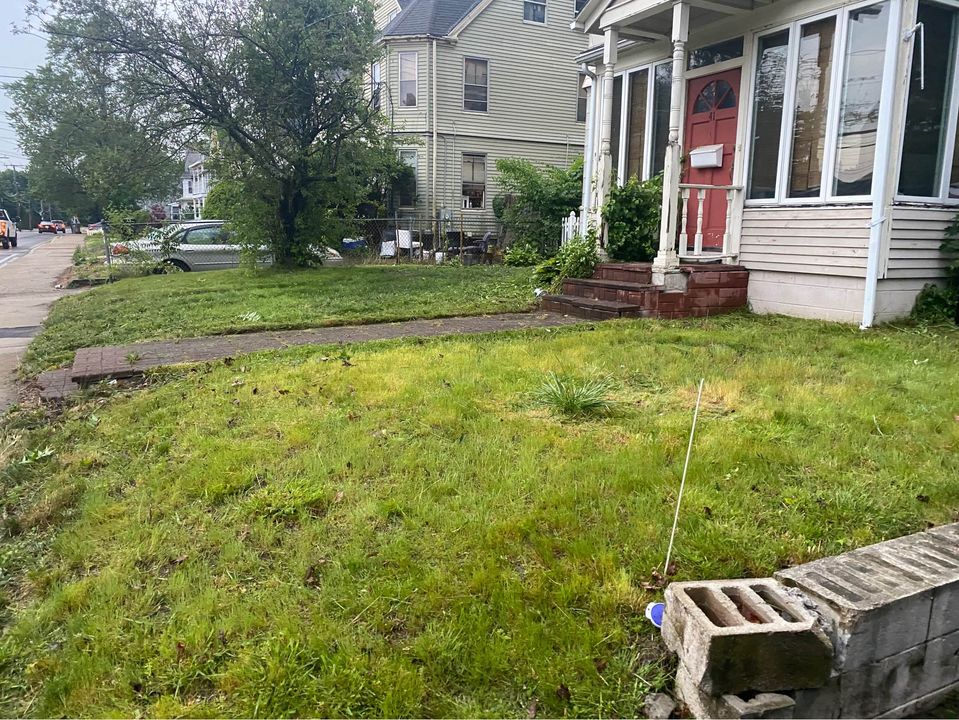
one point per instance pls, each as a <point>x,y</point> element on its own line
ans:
<point>52,226</point>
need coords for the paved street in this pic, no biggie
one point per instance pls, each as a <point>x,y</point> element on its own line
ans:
<point>27,276</point>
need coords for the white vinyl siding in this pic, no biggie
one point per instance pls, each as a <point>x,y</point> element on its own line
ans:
<point>917,233</point>
<point>820,240</point>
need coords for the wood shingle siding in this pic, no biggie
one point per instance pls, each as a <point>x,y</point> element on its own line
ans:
<point>804,239</point>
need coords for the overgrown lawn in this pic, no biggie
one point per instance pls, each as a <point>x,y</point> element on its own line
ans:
<point>402,529</point>
<point>213,303</point>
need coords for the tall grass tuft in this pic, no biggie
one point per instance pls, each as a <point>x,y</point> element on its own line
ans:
<point>575,397</point>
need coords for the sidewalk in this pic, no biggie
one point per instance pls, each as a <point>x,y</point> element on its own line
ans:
<point>125,361</point>
<point>26,293</point>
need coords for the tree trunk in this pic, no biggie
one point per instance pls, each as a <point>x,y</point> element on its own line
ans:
<point>290,208</point>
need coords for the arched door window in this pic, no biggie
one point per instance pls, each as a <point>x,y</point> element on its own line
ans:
<point>717,95</point>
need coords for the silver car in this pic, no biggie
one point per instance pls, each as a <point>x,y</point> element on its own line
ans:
<point>206,245</point>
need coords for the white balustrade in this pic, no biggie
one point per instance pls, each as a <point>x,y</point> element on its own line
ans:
<point>685,192</point>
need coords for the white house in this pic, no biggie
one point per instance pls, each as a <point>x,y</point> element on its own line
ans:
<point>196,183</point>
<point>811,141</point>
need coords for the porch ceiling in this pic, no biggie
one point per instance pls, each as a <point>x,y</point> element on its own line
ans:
<point>651,20</point>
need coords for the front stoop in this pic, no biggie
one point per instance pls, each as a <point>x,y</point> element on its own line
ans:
<point>624,290</point>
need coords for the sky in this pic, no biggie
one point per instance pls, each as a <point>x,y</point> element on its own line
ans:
<point>18,54</point>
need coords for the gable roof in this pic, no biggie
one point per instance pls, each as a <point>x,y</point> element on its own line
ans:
<point>435,18</point>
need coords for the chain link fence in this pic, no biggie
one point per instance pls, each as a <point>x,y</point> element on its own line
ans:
<point>129,249</point>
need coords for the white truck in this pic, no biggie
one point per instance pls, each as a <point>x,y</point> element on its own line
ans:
<point>8,231</point>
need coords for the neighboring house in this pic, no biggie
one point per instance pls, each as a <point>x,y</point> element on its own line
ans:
<point>467,82</point>
<point>196,183</point>
<point>821,136</point>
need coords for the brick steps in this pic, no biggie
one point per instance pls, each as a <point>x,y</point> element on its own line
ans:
<point>624,290</point>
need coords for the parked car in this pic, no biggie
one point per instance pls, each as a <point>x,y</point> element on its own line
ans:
<point>60,226</point>
<point>206,245</point>
<point>95,227</point>
<point>47,226</point>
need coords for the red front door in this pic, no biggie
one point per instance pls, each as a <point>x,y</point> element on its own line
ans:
<point>712,114</point>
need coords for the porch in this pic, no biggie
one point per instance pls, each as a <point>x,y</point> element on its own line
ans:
<point>778,129</point>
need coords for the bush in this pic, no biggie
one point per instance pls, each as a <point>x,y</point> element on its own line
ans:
<point>935,304</point>
<point>521,256</point>
<point>575,259</point>
<point>536,201</point>
<point>633,214</point>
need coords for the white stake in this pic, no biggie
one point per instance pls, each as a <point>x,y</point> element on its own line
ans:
<point>682,484</point>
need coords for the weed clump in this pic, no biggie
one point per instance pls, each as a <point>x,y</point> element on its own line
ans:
<point>574,397</point>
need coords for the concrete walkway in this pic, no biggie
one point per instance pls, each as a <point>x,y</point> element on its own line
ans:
<point>124,361</point>
<point>26,292</point>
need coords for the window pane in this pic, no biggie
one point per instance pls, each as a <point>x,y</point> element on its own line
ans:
<point>581,100</point>
<point>636,133</point>
<point>407,189</point>
<point>474,181</point>
<point>812,102</point>
<point>375,85</point>
<point>534,12</point>
<point>476,81</point>
<point>712,54</point>
<point>662,85</point>
<point>768,114</point>
<point>927,111</point>
<point>408,79</point>
<point>862,90</point>
<point>580,4</point>
<point>617,122</point>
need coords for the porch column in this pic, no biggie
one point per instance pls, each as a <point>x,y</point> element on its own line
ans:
<point>604,174</point>
<point>667,259</point>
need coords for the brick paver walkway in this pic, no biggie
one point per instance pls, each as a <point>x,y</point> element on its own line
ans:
<point>124,361</point>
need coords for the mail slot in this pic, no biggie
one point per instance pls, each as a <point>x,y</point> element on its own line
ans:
<point>706,156</point>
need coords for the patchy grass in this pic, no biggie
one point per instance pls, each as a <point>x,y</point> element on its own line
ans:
<point>410,534</point>
<point>213,303</point>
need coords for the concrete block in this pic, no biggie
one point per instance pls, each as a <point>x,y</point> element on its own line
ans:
<point>870,690</point>
<point>877,600</point>
<point>941,664</point>
<point>658,706</point>
<point>702,705</point>
<point>735,636</point>
<point>824,702</point>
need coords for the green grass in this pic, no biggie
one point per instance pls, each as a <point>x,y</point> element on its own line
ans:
<point>213,303</point>
<point>410,534</point>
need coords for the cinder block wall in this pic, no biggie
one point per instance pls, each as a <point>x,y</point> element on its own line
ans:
<point>886,616</point>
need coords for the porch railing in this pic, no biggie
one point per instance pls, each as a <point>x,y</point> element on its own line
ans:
<point>685,192</point>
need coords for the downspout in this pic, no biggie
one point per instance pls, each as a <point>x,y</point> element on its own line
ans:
<point>435,138</point>
<point>880,180</point>
<point>588,165</point>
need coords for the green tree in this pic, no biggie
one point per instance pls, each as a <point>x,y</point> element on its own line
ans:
<point>87,149</point>
<point>537,201</point>
<point>280,81</point>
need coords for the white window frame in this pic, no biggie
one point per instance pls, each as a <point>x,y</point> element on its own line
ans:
<point>826,195</point>
<point>485,157</point>
<point>950,147</point>
<point>545,4</point>
<point>415,166</point>
<point>416,77</point>
<point>488,75</point>
<point>376,79</point>
<point>621,158</point>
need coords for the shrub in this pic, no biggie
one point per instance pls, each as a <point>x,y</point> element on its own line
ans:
<point>537,200</point>
<point>575,398</point>
<point>521,256</point>
<point>575,259</point>
<point>632,214</point>
<point>935,304</point>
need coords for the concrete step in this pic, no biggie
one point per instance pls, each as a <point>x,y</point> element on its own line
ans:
<point>624,272</point>
<point>612,291</point>
<point>591,308</point>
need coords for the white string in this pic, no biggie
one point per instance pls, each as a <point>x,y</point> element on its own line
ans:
<point>682,484</point>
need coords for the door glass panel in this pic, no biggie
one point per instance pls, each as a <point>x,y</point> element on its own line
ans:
<point>725,96</point>
<point>706,100</point>
<point>812,102</point>
<point>861,93</point>
<point>617,122</point>
<point>924,137</point>
<point>636,139</point>
<point>662,85</point>
<point>768,114</point>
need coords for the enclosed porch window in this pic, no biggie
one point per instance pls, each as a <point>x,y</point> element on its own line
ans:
<point>817,91</point>
<point>930,163</point>
<point>641,121</point>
